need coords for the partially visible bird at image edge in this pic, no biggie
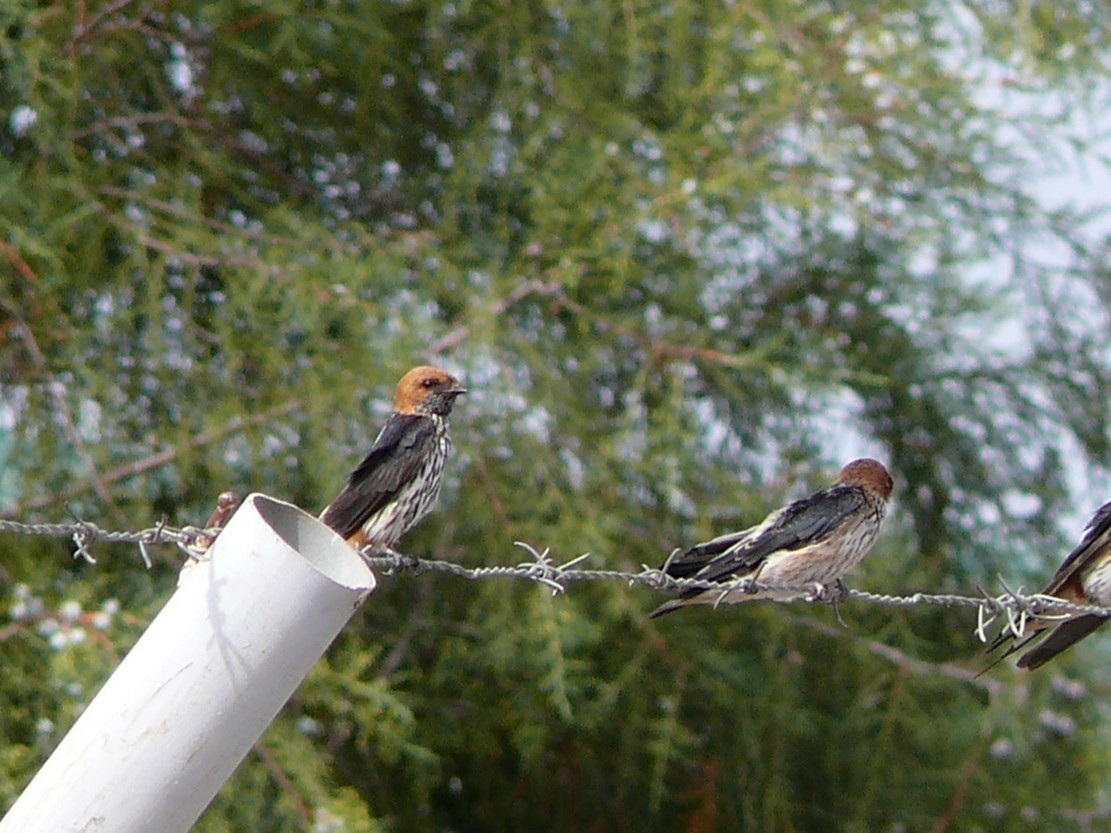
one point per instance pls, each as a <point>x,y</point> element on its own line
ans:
<point>1083,578</point>
<point>811,542</point>
<point>398,482</point>
<point>226,504</point>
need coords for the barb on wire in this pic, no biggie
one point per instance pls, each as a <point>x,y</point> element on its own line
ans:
<point>983,617</point>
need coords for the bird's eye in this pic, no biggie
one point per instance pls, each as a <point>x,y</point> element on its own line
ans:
<point>428,383</point>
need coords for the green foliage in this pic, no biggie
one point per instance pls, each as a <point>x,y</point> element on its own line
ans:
<point>687,258</point>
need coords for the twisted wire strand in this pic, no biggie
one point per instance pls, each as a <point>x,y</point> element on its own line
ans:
<point>1015,608</point>
<point>84,534</point>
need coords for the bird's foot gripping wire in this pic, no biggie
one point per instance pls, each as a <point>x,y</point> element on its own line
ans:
<point>833,593</point>
<point>399,562</point>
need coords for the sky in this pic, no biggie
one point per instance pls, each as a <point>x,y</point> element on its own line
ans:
<point>1080,180</point>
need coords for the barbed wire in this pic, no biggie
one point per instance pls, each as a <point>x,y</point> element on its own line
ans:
<point>83,534</point>
<point>1015,608</point>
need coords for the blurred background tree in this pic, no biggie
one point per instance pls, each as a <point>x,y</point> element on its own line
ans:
<point>689,258</point>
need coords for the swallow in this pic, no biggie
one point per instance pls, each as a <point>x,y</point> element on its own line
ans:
<point>1083,578</point>
<point>813,541</point>
<point>398,482</point>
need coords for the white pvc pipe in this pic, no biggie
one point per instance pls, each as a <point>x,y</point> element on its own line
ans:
<point>203,682</point>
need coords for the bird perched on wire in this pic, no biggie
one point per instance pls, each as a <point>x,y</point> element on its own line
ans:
<point>197,549</point>
<point>810,542</point>
<point>398,482</point>
<point>226,504</point>
<point>1083,578</point>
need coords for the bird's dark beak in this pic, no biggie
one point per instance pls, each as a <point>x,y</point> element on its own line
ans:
<point>455,391</point>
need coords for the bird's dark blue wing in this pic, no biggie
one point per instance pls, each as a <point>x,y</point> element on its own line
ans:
<point>802,523</point>
<point>1093,544</point>
<point>686,564</point>
<point>1063,636</point>
<point>394,461</point>
<point>1097,537</point>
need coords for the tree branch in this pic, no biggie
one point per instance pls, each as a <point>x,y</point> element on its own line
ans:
<point>520,292</point>
<point>894,655</point>
<point>154,461</point>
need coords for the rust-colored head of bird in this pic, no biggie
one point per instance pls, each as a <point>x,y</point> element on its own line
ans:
<point>867,474</point>
<point>425,390</point>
